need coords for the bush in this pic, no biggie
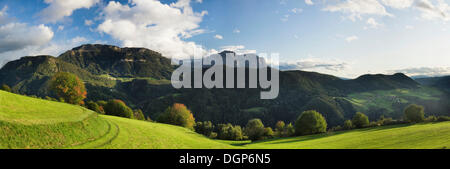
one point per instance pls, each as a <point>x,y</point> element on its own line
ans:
<point>50,98</point>
<point>414,113</point>
<point>290,130</point>
<point>178,114</point>
<point>95,107</point>
<point>118,108</point>
<point>280,129</point>
<point>360,120</point>
<point>348,125</point>
<point>138,114</point>
<point>68,87</point>
<point>5,88</point>
<point>204,128</point>
<point>443,118</point>
<point>255,129</point>
<point>431,119</point>
<point>213,135</point>
<point>310,122</point>
<point>229,132</point>
<point>102,103</point>
<point>268,133</point>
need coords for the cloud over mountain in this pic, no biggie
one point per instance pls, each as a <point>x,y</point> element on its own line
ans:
<point>157,26</point>
<point>58,9</point>
<point>17,35</point>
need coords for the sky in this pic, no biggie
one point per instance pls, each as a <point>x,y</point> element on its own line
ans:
<point>345,38</point>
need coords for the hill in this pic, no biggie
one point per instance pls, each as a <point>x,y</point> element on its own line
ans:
<point>439,82</point>
<point>27,122</point>
<point>420,136</point>
<point>141,78</point>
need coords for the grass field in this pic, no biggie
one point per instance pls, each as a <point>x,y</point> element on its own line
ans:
<point>386,98</point>
<point>34,123</point>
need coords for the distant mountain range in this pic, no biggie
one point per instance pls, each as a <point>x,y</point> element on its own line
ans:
<point>141,77</point>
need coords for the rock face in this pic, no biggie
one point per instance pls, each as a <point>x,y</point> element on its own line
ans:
<point>120,62</point>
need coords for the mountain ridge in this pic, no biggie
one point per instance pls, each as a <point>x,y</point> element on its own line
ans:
<point>111,72</point>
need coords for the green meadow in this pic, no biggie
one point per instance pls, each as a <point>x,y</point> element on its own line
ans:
<point>32,123</point>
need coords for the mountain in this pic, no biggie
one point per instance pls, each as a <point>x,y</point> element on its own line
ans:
<point>119,62</point>
<point>141,78</point>
<point>439,82</point>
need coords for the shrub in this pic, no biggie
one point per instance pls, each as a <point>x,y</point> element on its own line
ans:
<point>229,132</point>
<point>5,88</point>
<point>443,118</point>
<point>178,114</point>
<point>310,122</point>
<point>205,128</point>
<point>118,108</point>
<point>414,113</point>
<point>268,133</point>
<point>431,119</point>
<point>290,130</point>
<point>50,98</point>
<point>95,107</point>
<point>102,103</point>
<point>337,128</point>
<point>360,120</point>
<point>255,129</point>
<point>348,125</point>
<point>280,129</point>
<point>138,114</point>
<point>213,135</point>
<point>68,87</point>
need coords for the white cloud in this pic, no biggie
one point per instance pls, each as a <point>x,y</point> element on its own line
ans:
<point>238,49</point>
<point>424,71</point>
<point>157,26</point>
<point>79,40</point>
<point>3,15</point>
<point>355,9</point>
<point>430,11</point>
<point>351,38</point>
<point>51,48</point>
<point>309,2</point>
<point>296,10</point>
<point>399,4</point>
<point>16,36</point>
<point>218,37</point>
<point>88,22</point>
<point>236,31</point>
<point>314,64</point>
<point>58,9</point>
<point>373,23</point>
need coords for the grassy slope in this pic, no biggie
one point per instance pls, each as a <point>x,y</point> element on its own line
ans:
<point>145,135</point>
<point>33,123</point>
<point>427,136</point>
<point>385,98</point>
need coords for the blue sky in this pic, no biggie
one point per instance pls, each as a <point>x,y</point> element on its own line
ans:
<point>345,38</point>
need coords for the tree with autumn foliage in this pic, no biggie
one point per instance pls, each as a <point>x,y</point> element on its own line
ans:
<point>68,87</point>
<point>118,108</point>
<point>178,114</point>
